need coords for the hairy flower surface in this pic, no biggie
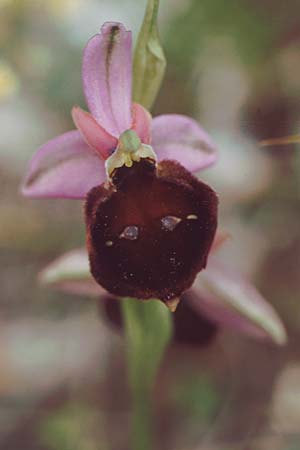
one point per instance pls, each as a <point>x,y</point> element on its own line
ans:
<point>150,222</point>
<point>151,236</point>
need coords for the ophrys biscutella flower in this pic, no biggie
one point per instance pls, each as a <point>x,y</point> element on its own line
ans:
<point>150,222</point>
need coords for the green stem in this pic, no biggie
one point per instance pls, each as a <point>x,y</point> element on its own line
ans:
<point>148,330</point>
<point>141,425</point>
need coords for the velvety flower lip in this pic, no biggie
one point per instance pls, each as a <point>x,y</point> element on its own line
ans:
<point>150,236</point>
<point>69,165</point>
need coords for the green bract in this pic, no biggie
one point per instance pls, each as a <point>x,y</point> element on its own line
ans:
<point>149,62</point>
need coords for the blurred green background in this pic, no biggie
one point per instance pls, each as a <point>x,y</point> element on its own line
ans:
<point>234,65</point>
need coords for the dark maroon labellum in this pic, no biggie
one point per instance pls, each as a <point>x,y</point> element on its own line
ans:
<point>150,230</point>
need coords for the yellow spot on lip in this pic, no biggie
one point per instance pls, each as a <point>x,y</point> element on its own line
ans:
<point>192,217</point>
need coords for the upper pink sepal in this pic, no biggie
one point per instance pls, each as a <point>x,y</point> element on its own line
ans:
<point>64,167</point>
<point>107,77</point>
<point>141,122</point>
<point>182,139</point>
<point>93,134</point>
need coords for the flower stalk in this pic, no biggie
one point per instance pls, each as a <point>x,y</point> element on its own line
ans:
<point>148,329</point>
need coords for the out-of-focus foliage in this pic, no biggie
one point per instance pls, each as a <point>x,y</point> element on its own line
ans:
<point>74,426</point>
<point>199,398</point>
<point>242,21</point>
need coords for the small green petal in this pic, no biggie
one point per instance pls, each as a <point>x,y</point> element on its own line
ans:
<point>129,141</point>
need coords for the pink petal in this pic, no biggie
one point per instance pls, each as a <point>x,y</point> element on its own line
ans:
<point>181,138</point>
<point>93,134</point>
<point>231,301</point>
<point>106,73</point>
<point>71,273</point>
<point>141,123</point>
<point>65,167</point>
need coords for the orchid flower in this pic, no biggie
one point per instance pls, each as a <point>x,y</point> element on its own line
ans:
<point>150,223</point>
<point>219,298</point>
